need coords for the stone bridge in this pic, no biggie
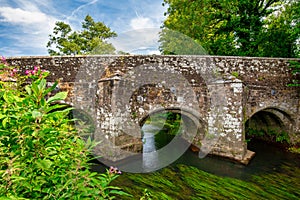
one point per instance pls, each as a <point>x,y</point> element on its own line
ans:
<point>218,97</point>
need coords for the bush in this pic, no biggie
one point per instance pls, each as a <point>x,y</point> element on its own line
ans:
<point>41,154</point>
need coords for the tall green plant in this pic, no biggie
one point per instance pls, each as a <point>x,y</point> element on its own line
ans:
<point>41,154</point>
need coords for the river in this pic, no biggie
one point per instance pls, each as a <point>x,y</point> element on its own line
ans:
<point>272,174</point>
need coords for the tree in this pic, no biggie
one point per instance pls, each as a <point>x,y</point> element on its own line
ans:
<point>176,43</point>
<point>237,27</point>
<point>281,33</point>
<point>90,40</point>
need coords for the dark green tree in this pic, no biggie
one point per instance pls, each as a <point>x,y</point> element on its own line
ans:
<point>237,27</point>
<point>90,40</point>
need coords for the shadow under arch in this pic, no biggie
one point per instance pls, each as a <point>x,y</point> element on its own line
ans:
<point>271,124</point>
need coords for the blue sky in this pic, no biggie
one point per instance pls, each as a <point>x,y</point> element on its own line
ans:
<point>26,24</point>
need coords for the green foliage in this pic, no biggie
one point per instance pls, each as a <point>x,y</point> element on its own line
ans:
<point>147,195</point>
<point>176,43</point>
<point>90,40</point>
<point>281,32</point>
<point>267,28</point>
<point>295,150</point>
<point>235,74</point>
<point>41,154</point>
<point>270,134</point>
<point>171,126</point>
<point>169,120</point>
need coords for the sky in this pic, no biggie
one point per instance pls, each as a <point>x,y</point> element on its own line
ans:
<point>25,25</point>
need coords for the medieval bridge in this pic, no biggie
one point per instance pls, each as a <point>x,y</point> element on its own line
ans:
<point>217,96</point>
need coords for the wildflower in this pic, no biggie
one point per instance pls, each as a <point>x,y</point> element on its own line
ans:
<point>28,72</point>
<point>11,74</point>
<point>35,68</point>
<point>15,70</point>
<point>3,59</point>
<point>114,170</point>
<point>111,170</point>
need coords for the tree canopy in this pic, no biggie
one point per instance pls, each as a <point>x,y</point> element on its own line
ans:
<point>90,40</point>
<point>268,28</point>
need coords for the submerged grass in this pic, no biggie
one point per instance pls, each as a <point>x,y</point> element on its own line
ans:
<point>187,182</point>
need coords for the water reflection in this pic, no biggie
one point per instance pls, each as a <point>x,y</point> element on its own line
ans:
<point>150,155</point>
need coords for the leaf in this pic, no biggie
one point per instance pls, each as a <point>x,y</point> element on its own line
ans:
<point>54,107</point>
<point>7,97</point>
<point>119,192</point>
<point>58,96</point>
<point>36,114</point>
<point>17,99</point>
<point>50,89</point>
<point>17,178</point>
<point>43,102</point>
<point>42,84</point>
<point>44,164</point>
<point>4,122</point>
<point>59,112</point>
<point>28,89</point>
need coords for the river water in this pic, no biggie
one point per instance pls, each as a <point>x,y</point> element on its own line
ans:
<point>272,174</point>
<point>268,159</point>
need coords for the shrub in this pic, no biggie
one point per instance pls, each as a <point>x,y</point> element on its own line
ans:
<point>41,154</point>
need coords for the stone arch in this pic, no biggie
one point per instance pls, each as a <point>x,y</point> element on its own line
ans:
<point>194,127</point>
<point>271,121</point>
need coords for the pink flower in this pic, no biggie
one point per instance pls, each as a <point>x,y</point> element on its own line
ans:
<point>12,74</point>
<point>3,58</point>
<point>27,72</point>
<point>15,70</point>
<point>114,170</point>
<point>35,68</point>
<point>111,170</point>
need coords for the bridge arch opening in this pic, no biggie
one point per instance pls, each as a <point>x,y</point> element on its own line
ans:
<point>270,125</point>
<point>163,125</point>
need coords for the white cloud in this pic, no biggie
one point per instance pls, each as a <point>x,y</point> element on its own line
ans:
<point>139,41</point>
<point>19,16</point>
<point>141,23</point>
<point>31,28</point>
